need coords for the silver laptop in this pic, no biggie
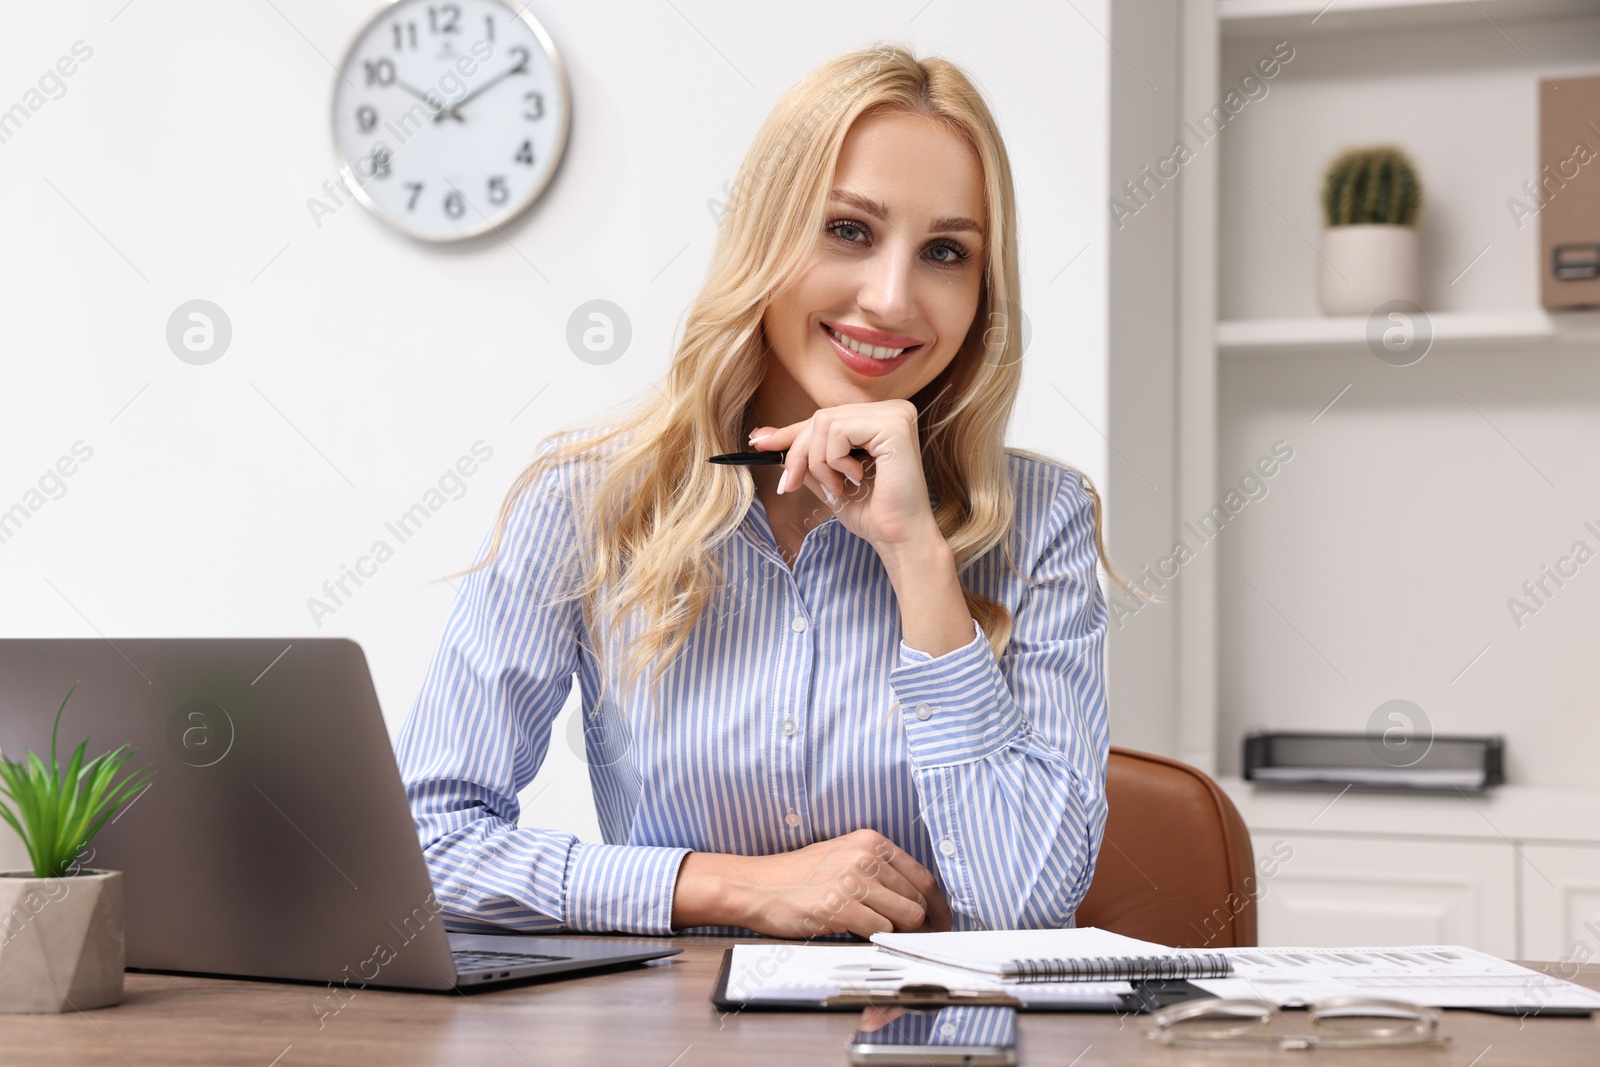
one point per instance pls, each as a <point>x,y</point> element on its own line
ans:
<point>274,839</point>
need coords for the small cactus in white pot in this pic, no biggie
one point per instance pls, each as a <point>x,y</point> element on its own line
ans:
<point>61,925</point>
<point>1371,200</point>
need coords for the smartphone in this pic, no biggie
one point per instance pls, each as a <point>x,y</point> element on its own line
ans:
<point>968,1035</point>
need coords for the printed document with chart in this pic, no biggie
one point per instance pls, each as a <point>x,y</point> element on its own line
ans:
<point>1440,976</point>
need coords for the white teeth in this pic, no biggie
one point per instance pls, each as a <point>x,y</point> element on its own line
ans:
<point>870,351</point>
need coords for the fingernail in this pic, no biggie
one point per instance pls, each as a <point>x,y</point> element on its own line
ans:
<point>833,501</point>
<point>782,481</point>
<point>853,479</point>
<point>762,437</point>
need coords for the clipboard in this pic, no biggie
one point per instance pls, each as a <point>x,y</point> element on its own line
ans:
<point>1147,995</point>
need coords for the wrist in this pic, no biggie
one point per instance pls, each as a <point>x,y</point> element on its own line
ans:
<point>703,895</point>
<point>915,554</point>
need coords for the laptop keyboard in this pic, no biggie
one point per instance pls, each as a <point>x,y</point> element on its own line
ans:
<point>472,959</point>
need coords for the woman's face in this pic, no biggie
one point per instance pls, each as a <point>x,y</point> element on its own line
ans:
<point>898,265</point>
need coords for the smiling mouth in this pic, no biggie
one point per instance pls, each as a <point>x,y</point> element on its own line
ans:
<point>883,355</point>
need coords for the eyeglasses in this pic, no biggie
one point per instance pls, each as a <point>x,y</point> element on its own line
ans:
<point>1338,1022</point>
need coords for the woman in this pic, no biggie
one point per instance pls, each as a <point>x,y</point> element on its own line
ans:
<point>875,697</point>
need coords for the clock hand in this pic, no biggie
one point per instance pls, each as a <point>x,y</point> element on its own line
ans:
<point>440,111</point>
<point>420,95</point>
<point>486,85</point>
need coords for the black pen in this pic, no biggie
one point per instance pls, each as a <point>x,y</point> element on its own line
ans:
<point>762,459</point>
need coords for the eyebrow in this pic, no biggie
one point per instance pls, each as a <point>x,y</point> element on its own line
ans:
<point>945,224</point>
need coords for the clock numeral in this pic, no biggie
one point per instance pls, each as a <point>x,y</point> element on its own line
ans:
<point>498,191</point>
<point>380,72</point>
<point>444,19</point>
<point>376,163</point>
<point>404,33</point>
<point>522,60</point>
<point>454,204</point>
<point>366,118</point>
<point>536,100</point>
<point>524,154</point>
<point>416,191</point>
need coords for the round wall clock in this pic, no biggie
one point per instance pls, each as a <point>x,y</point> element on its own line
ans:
<point>449,119</point>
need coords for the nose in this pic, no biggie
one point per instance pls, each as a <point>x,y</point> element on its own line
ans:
<point>887,291</point>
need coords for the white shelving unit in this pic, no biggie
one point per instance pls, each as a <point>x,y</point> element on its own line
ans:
<point>1380,563</point>
<point>1255,18</point>
<point>1451,330</point>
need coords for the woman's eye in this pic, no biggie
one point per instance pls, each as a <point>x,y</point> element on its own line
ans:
<point>844,229</point>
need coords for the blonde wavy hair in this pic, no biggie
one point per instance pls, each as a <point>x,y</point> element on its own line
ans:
<point>657,508</point>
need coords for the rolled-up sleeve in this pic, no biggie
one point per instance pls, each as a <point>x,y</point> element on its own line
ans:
<point>1009,756</point>
<point>480,729</point>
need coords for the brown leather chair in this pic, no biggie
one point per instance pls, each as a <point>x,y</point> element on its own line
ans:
<point>1176,865</point>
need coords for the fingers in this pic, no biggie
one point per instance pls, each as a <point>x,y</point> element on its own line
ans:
<point>898,873</point>
<point>863,921</point>
<point>905,913</point>
<point>902,905</point>
<point>806,465</point>
<point>795,463</point>
<point>837,455</point>
<point>901,861</point>
<point>828,446</point>
<point>819,452</point>
<point>867,908</point>
<point>936,908</point>
<point>896,882</point>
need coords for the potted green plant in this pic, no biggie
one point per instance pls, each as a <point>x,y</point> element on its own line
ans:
<point>1371,198</point>
<point>61,926</point>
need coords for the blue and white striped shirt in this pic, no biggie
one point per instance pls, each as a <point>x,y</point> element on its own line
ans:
<point>795,714</point>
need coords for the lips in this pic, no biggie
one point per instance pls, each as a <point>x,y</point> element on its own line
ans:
<point>867,336</point>
<point>866,365</point>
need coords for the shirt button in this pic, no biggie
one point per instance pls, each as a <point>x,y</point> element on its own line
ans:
<point>924,710</point>
<point>788,727</point>
<point>798,624</point>
<point>793,819</point>
<point>948,846</point>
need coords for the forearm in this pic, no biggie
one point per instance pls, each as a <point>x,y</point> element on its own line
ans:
<point>933,612</point>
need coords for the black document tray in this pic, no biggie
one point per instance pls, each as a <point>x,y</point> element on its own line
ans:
<point>1363,761</point>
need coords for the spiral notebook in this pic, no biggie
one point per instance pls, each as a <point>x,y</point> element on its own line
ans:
<point>1080,954</point>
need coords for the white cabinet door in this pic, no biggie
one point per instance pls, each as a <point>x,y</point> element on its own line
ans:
<point>1315,890</point>
<point>1561,902</point>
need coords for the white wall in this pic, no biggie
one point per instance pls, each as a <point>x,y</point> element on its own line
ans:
<point>177,165</point>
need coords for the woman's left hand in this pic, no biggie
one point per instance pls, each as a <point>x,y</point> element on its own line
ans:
<point>889,509</point>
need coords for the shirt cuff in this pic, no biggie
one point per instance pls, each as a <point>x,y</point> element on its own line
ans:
<point>956,707</point>
<point>622,888</point>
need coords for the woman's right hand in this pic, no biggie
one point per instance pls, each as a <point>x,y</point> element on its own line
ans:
<point>861,883</point>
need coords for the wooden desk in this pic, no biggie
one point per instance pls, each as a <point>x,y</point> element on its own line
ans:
<point>655,1015</point>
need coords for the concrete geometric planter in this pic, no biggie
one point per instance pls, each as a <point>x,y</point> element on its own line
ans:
<point>61,941</point>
